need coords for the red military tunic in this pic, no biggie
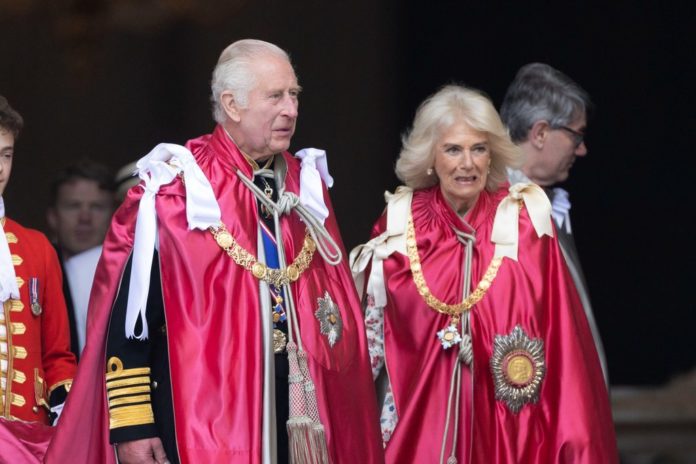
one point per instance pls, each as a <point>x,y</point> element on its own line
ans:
<point>35,349</point>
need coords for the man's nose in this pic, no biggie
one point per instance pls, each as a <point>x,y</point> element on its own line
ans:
<point>290,107</point>
<point>85,214</point>
<point>581,149</point>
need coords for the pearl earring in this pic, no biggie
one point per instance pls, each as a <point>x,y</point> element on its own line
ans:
<point>429,171</point>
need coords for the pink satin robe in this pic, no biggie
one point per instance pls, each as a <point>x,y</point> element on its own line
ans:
<point>571,423</point>
<point>213,324</point>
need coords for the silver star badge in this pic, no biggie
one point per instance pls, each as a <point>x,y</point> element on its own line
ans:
<point>329,316</point>
<point>518,367</point>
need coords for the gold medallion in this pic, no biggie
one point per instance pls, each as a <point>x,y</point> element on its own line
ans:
<point>309,243</point>
<point>293,272</point>
<point>259,270</point>
<point>224,239</point>
<point>518,368</point>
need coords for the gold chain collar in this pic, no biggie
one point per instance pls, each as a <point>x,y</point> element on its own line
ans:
<point>453,310</point>
<point>275,277</point>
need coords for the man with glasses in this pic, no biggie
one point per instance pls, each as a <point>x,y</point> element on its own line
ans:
<point>546,113</point>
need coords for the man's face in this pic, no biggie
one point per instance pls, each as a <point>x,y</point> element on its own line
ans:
<point>81,215</point>
<point>266,125</point>
<point>6,154</point>
<point>560,149</point>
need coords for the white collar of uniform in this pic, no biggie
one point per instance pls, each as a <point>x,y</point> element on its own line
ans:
<point>8,278</point>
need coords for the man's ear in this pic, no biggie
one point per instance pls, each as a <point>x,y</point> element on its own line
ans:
<point>230,106</point>
<point>538,133</point>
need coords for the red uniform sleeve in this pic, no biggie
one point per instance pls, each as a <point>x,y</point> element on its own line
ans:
<point>57,359</point>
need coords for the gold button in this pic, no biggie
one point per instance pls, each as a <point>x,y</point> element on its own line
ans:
<point>35,409</point>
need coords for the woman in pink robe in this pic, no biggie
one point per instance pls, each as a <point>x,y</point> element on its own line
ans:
<point>470,309</point>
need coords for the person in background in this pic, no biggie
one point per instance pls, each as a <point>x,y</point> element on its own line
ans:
<point>470,308</point>
<point>36,365</point>
<point>126,177</point>
<point>546,114</point>
<point>224,323</point>
<point>83,202</point>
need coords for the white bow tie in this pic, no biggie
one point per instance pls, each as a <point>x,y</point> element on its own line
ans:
<point>559,209</point>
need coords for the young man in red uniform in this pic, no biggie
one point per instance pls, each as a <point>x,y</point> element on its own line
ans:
<point>36,365</point>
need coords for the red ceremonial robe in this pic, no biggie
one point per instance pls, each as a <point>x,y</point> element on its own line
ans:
<point>571,422</point>
<point>214,332</point>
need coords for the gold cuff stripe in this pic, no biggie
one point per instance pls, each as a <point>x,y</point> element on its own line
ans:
<point>20,352</point>
<point>18,328</point>
<point>125,416</point>
<point>129,391</point>
<point>129,400</point>
<point>11,238</point>
<point>67,383</point>
<point>111,384</point>
<point>17,260</point>
<point>110,375</point>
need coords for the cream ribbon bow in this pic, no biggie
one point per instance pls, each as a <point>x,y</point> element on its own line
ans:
<point>381,247</point>
<point>313,170</point>
<point>506,223</point>
<point>157,168</point>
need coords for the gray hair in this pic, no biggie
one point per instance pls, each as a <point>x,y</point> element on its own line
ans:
<point>450,105</point>
<point>540,92</point>
<point>233,72</point>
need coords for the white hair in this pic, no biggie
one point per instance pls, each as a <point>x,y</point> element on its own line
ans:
<point>233,72</point>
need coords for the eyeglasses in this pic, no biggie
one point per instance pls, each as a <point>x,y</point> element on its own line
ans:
<point>578,137</point>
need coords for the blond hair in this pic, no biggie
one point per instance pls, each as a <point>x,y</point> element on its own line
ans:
<point>450,105</point>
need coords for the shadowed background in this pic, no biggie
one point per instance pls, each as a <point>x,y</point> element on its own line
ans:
<point>110,79</point>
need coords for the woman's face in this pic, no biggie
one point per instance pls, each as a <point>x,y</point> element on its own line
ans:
<point>462,158</point>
